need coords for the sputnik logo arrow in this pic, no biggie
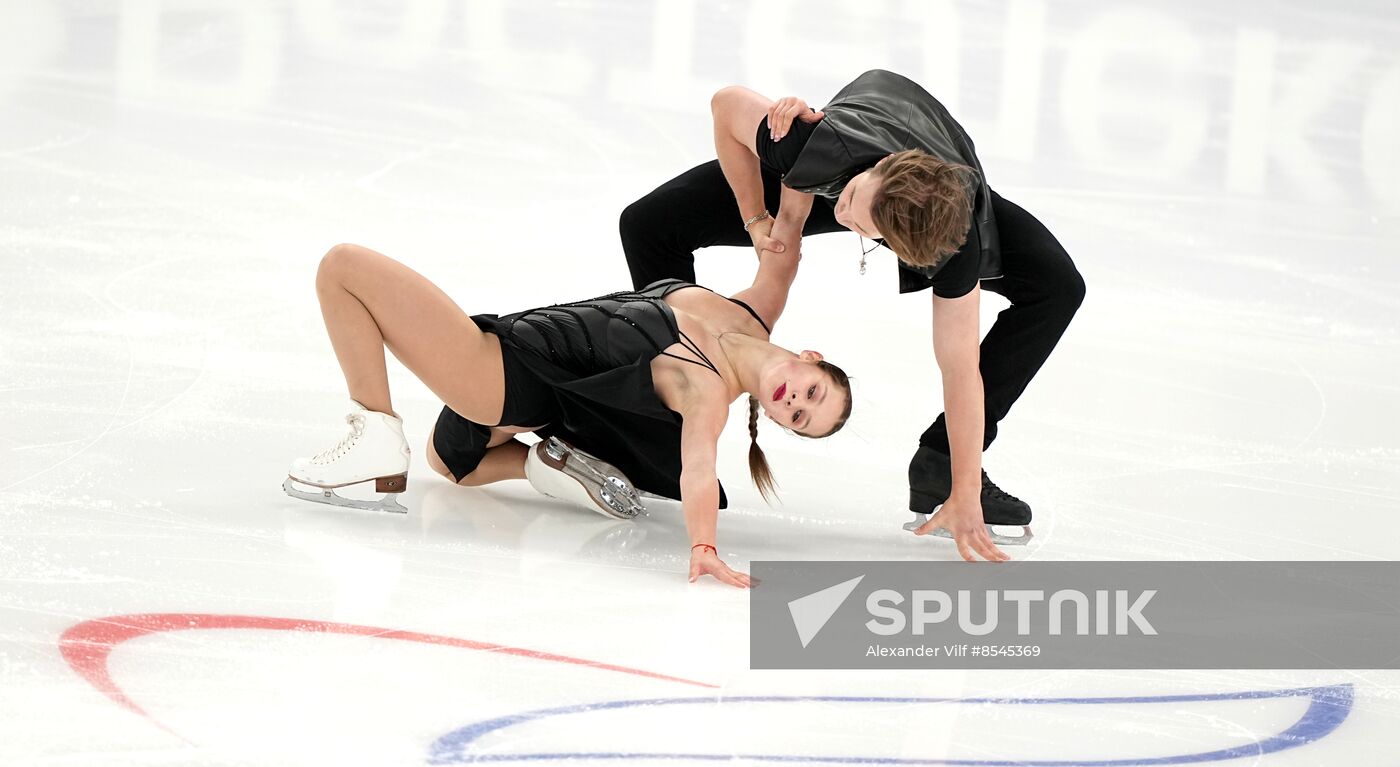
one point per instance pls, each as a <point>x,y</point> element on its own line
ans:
<point>810,613</point>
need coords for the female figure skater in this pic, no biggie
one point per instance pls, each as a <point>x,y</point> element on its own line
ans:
<point>886,160</point>
<point>644,378</point>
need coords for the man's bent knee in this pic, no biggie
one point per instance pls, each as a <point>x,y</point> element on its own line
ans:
<point>1074,292</point>
<point>632,223</point>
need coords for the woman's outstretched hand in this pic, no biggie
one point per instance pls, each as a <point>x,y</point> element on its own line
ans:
<point>784,111</point>
<point>703,561</point>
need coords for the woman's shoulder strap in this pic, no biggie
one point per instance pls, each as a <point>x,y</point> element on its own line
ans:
<point>665,287</point>
<point>755,316</point>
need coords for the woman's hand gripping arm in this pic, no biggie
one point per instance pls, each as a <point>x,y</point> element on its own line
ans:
<point>794,206</point>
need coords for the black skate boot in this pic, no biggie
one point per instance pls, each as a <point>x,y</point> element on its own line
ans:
<point>931,482</point>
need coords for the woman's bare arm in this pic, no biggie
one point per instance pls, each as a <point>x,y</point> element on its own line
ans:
<point>704,419</point>
<point>794,206</point>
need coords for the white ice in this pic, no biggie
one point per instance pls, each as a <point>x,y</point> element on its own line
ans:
<point>1226,176</point>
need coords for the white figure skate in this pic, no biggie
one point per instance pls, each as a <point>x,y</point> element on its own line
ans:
<point>997,538</point>
<point>375,449</point>
<point>556,469</point>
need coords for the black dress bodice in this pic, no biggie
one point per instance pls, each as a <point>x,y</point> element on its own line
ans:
<point>596,355</point>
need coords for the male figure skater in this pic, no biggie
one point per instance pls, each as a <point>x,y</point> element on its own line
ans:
<point>885,160</point>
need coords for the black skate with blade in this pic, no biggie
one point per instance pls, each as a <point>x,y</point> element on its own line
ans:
<point>931,482</point>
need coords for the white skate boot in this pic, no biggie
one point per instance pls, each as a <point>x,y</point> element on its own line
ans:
<point>557,469</point>
<point>375,449</point>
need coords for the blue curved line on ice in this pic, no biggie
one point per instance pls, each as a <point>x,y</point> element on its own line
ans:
<point>1328,708</point>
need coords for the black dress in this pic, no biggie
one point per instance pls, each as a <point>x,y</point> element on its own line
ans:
<point>592,361</point>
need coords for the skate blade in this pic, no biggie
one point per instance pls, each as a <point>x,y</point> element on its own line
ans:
<point>997,538</point>
<point>610,491</point>
<point>329,497</point>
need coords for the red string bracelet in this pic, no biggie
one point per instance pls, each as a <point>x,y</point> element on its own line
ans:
<point>712,549</point>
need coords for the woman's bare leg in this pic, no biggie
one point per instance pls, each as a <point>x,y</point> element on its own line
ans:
<point>370,301</point>
<point>502,462</point>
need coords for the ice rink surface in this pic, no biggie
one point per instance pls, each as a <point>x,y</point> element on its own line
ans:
<point>1226,176</point>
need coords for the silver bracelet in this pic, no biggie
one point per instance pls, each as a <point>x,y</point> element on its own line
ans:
<point>755,220</point>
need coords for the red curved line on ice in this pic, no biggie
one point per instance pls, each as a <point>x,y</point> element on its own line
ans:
<point>87,646</point>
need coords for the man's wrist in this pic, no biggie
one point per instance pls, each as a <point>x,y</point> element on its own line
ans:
<point>963,493</point>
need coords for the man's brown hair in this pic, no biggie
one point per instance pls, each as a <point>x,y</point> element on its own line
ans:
<point>923,206</point>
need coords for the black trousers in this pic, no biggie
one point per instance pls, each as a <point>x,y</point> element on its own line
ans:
<point>661,232</point>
